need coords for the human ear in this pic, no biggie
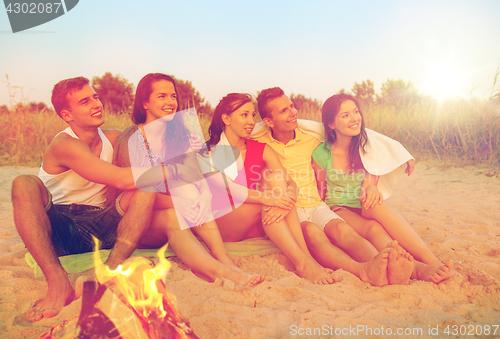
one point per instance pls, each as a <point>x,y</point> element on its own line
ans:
<point>145,105</point>
<point>66,115</point>
<point>225,119</point>
<point>331,125</point>
<point>268,122</point>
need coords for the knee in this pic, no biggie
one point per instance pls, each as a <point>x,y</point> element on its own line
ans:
<point>24,185</point>
<point>143,199</point>
<point>338,230</point>
<point>312,233</point>
<point>373,228</point>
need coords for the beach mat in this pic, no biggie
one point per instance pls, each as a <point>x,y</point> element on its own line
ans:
<point>78,263</point>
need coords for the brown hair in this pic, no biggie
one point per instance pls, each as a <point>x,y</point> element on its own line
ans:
<point>227,105</point>
<point>329,111</point>
<point>176,134</point>
<point>61,90</point>
<point>265,97</point>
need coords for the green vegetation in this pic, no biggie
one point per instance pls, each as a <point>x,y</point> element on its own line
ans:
<point>115,92</point>
<point>457,131</point>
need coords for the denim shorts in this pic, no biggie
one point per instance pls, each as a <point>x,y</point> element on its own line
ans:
<point>74,225</point>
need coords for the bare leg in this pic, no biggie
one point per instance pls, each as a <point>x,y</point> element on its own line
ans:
<point>29,198</point>
<point>234,225</point>
<point>398,268</point>
<point>132,226</point>
<point>371,230</point>
<point>399,229</point>
<point>165,226</point>
<point>209,233</point>
<point>344,237</point>
<point>373,271</point>
<point>307,267</point>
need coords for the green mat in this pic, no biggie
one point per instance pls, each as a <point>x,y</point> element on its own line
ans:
<point>77,263</point>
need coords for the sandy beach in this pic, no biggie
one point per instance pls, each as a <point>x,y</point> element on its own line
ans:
<point>455,211</point>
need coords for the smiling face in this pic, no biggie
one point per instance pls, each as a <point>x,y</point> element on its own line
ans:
<point>162,102</point>
<point>85,108</point>
<point>348,120</point>
<point>283,115</point>
<point>240,122</point>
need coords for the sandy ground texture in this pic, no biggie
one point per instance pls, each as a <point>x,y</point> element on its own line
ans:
<point>456,211</point>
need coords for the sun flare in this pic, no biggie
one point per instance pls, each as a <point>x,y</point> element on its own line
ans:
<point>445,80</point>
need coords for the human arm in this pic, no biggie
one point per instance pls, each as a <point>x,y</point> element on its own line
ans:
<point>240,193</point>
<point>66,152</point>
<point>195,143</point>
<point>410,166</point>
<point>320,175</point>
<point>370,195</point>
<point>279,174</point>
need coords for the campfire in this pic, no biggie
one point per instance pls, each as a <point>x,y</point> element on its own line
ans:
<point>129,302</point>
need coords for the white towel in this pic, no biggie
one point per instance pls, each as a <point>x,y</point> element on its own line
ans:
<point>221,158</point>
<point>384,156</point>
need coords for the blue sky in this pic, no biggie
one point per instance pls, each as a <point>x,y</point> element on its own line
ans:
<point>315,48</point>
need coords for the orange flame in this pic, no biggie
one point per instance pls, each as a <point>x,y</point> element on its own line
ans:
<point>137,279</point>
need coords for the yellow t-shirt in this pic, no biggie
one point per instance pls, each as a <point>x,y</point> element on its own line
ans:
<point>295,156</point>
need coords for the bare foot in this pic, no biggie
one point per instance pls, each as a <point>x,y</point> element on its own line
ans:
<point>434,273</point>
<point>375,270</point>
<point>316,273</point>
<point>228,262</point>
<point>400,265</point>
<point>58,295</point>
<point>238,281</point>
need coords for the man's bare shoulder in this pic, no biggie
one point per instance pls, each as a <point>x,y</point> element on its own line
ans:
<point>64,141</point>
<point>63,146</point>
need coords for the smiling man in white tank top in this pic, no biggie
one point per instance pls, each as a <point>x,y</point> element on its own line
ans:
<point>58,212</point>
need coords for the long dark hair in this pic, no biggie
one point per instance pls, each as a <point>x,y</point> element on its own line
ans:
<point>227,105</point>
<point>329,111</point>
<point>176,134</point>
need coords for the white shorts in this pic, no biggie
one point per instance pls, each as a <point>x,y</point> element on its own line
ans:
<point>319,215</point>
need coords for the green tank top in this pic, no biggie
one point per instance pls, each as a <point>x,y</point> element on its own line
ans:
<point>342,188</point>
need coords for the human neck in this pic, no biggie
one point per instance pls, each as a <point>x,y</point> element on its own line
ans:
<point>342,142</point>
<point>89,135</point>
<point>283,137</point>
<point>154,128</point>
<point>235,140</point>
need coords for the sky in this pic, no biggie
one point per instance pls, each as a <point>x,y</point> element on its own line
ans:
<point>314,48</point>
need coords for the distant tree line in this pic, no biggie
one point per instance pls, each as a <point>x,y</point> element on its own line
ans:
<point>117,95</point>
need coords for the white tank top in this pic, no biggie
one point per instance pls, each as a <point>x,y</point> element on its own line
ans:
<point>70,188</point>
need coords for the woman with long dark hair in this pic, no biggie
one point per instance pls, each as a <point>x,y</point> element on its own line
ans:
<point>160,139</point>
<point>351,191</point>
<point>251,210</point>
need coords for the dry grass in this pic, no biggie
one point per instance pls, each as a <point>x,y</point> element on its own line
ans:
<point>456,131</point>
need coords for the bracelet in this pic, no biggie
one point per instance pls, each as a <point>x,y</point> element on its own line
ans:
<point>164,174</point>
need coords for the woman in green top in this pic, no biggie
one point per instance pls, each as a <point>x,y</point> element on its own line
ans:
<point>352,192</point>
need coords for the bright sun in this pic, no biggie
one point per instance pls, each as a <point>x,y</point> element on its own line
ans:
<point>445,81</point>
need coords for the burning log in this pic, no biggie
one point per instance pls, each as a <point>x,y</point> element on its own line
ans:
<point>137,303</point>
<point>133,304</point>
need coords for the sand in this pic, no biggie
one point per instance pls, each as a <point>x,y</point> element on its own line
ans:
<point>455,211</point>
